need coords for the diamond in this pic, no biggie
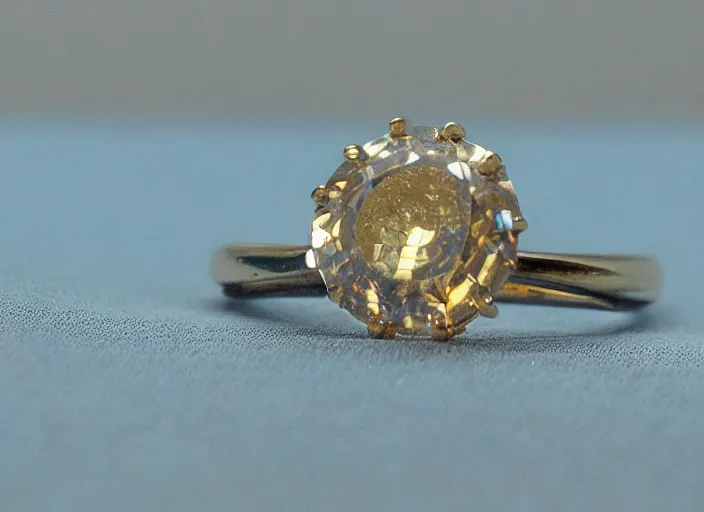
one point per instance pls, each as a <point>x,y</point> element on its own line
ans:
<point>414,233</point>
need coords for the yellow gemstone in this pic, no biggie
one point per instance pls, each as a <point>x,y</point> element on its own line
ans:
<point>416,239</point>
<point>399,223</point>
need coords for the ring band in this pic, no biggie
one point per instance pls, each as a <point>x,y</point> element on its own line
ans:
<point>416,233</point>
<point>614,283</point>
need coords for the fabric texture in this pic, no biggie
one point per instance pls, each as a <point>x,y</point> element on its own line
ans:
<point>128,383</point>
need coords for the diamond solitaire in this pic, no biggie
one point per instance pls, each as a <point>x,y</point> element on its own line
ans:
<point>416,232</point>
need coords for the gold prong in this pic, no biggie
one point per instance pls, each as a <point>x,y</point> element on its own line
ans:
<point>446,333</point>
<point>356,154</point>
<point>441,333</point>
<point>511,264</point>
<point>379,329</point>
<point>397,128</point>
<point>485,305</point>
<point>519,224</point>
<point>452,132</point>
<point>320,195</point>
<point>442,328</point>
<point>490,164</point>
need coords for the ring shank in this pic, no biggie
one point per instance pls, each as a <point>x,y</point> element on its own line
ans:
<point>616,283</point>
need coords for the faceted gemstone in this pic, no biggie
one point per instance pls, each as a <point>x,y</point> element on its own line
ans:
<point>417,236</point>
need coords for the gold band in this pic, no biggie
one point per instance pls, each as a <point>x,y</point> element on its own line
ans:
<point>616,283</point>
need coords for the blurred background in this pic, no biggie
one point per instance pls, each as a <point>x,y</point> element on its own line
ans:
<point>531,59</point>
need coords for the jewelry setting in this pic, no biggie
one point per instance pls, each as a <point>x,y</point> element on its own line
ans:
<point>416,233</point>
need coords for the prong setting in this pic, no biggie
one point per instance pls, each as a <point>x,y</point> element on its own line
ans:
<point>519,224</point>
<point>397,128</point>
<point>490,164</point>
<point>355,153</point>
<point>485,304</point>
<point>410,200</point>
<point>320,195</point>
<point>444,334</point>
<point>443,329</point>
<point>452,132</point>
<point>380,329</point>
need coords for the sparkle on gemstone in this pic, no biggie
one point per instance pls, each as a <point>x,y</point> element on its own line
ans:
<point>416,239</point>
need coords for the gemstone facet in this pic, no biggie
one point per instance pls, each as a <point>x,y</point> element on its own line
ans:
<point>414,233</point>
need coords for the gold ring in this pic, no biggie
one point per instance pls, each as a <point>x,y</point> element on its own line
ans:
<point>416,233</point>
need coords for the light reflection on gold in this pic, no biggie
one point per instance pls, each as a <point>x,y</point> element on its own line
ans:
<point>353,152</point>
<point>397,127</point>
<point>452,131</point>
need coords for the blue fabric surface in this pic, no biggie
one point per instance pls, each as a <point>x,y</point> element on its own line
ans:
<point>128,383</point>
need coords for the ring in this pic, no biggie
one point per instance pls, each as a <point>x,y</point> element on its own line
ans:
<point>416,233</point>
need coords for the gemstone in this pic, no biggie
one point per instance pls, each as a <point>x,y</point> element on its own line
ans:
<point>414,234</point>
